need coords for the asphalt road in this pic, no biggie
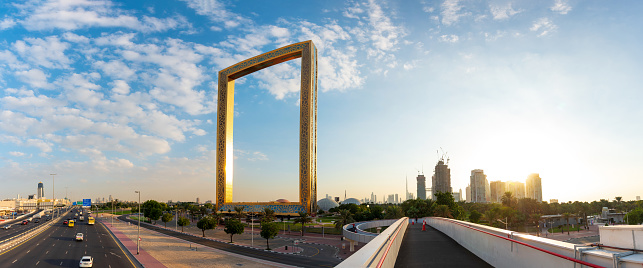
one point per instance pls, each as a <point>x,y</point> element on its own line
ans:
<point>294,260</point>
<point>57,247</point>
<point>18,228</point>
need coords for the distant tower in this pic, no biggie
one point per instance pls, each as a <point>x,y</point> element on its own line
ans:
<point>407,188</point>
<point>198,201</point>
<point>41,190</point>
<point>441,180</point>
<point>479,186</point>
<point>534,187</point>
<point>421,188</point>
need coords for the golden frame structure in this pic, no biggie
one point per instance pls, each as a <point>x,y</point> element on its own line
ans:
<point>307,129</point>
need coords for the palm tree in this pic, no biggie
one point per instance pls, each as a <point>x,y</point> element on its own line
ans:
<point>268,215</point>
<point>239,211</point>
<point>491,216</point>
<point>303,219</point>
<point>566,215</point>
<point>508,199</point>
<point>345,217</point>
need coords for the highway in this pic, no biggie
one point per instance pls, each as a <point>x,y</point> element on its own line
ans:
<point>56,247</point>
<point>18,228</point>
<point>294,260</point>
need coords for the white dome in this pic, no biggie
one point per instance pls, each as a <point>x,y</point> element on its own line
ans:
<point>326,204</point>
<point>351,201</point>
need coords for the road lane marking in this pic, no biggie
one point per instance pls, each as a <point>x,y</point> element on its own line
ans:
<point>61,263</point>
<point>37,262</point>
<point>47,252</point>
<point>28,251</point>
<point>14,261</point>
<point>66,252</point>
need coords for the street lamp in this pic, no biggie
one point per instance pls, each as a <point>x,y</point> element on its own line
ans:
<point>138,241</point>
<point>53,192</point>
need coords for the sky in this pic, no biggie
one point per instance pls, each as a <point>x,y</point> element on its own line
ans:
<point>120,96</point>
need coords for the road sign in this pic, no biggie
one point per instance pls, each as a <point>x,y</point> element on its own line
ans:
<point>87,202</point>
<point>74,203</point>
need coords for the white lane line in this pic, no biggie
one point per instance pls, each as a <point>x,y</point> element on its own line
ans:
<point>53,245</point>
<point>105,255</point>
<point>61,263</point>
<point>37,262</point>
<point>46,252</point>
<point>28,251</point>
<point>66,252</point>
<point>14,261</point>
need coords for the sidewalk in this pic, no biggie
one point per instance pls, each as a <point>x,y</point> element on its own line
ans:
<point>278,244</point>
<point>574,235</point>
<point>166,251</point>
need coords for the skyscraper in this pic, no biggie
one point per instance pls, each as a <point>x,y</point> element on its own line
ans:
<point>516,188</point>
<point>497,189</point>
<point>441,180</point>
<point>421,189</point>
<point>479,186</point>
<point>534,187</point>
<point>41,190</point>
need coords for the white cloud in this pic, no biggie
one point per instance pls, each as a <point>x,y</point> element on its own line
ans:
<point>79,14</point>
<point>116,69</point>
<point>7,23</point>
<point>16,123</point>
<point>34,77</point>
<point>501,12</point>
<point>561,6</point>
<point>451,38</point>
<point>451,12</point>
<point>216,12</point>
<point>72,37</point>
<point>544,26</point>
<point>410,65</point>
<point>48,52</point>
<point>17,154</point>
<point>250,156</point>
<point>120,87</point>
<point>44,146</point>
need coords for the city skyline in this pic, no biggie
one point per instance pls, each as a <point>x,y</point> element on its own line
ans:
<point>120,96</point>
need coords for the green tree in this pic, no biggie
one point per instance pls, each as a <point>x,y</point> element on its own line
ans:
<point>508,199</point>
<point>268,231</point>
<point>413,212</point>
<point>208,205</point>
<point>207,223</point>
<point>442,211</point>
<point>303,219</point>
<point>155,214</point>
<point>148,206</point>
<point>475,216</point>
<point>393,212</point>
<point>167,217</point>
<point>233,227</point>
<point>635,216</point>
<point>345,217</point>
<point>268,216</point>
<point>183,221</point>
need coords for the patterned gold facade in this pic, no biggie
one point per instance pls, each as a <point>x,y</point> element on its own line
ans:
<point>307,128</point>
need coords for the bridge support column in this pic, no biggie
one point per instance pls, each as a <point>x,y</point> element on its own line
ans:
<point>352,244</point>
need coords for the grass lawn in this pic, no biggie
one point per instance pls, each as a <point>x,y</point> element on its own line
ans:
<point>564,230</point>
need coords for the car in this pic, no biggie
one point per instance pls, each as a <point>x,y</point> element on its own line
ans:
<point>79,237</point>
<point>36,220</point>
<point>6,227</point>
<point>65,222</point>
<point>86,261</point>
<point>24,222</point>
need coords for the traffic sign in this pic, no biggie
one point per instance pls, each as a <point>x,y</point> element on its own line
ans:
<point>87,202</point>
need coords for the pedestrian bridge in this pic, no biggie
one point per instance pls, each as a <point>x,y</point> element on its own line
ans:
<point>453,243</point>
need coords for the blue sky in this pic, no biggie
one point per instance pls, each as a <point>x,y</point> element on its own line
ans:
<point>117,96</point>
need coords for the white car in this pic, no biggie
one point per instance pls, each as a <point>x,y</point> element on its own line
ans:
<point>79,237</point>
<point>86,261</point>
<point>6,227</point>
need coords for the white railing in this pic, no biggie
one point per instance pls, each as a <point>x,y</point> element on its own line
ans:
<point>502,248</point>
<point>382,249</point>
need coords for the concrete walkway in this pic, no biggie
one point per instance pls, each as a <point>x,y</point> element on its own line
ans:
<point>431,248</point>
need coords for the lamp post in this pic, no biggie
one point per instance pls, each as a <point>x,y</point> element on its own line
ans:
<point>53,192</point>
<point>138,240</point>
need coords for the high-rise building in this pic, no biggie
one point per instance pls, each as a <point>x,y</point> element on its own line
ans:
<point>391,199</point>
<point>110,198</point>
<point>516,188</point>
<point>479,186</point>
<point>41,191</point>
<point>638,197</point>
<point>411,196</point>
<point>421,188</point>
<point>397,201</point>
<point>198,201</point>
<point>497,189</point>
<point>441,180</point>
<point>534,188</point>
<point>468,189</point>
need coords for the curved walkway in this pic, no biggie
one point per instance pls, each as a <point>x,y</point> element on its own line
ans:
<point>431,248</point>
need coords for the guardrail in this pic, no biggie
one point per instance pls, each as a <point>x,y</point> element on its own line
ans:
<point>382,249</point>
<point>18,239</point>
<point>502,248</point>
<point>359,235</point>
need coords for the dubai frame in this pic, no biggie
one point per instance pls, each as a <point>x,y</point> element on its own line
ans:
<point>307,129</point>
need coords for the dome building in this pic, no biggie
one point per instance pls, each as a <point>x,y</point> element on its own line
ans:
<point>326,204</point>
<point>351,201</point>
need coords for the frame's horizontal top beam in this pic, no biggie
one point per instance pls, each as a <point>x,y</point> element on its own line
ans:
<point>265,60</point>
